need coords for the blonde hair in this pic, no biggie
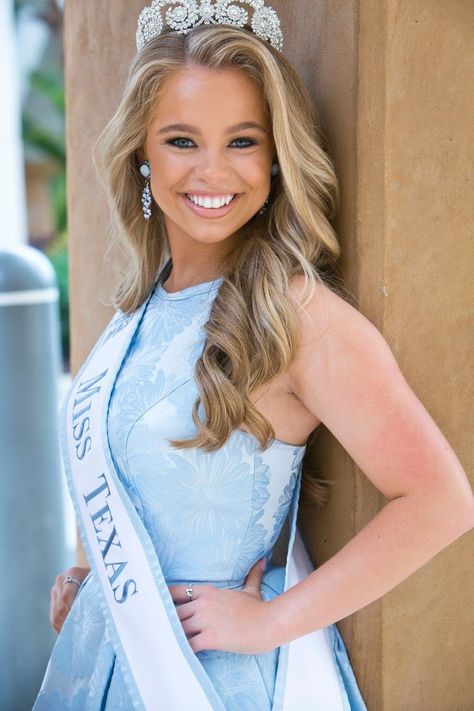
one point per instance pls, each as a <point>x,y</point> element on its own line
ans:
<point>252,331</point>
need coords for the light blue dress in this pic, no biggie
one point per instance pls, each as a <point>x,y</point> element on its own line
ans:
<point>210,515</point>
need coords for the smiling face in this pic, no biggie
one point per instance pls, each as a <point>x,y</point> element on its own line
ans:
<point>209,156</point>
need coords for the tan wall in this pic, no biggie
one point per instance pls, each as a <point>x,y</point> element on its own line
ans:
<point>428,317</point>
<point>391,80</point>
<point>41,225</point>
<point>98,48</point>
<point>409,259</point>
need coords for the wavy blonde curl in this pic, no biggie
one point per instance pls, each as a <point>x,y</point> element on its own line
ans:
<point>252,330</point>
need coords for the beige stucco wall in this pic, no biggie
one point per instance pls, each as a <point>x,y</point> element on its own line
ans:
<point>409,255</point>
<point>428,317</point>
<point>99,44</point>
<point>391,80</point>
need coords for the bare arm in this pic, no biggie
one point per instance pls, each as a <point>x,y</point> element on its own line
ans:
<point>63,595</point>
<point>347,376</point>
<point>81,557</point>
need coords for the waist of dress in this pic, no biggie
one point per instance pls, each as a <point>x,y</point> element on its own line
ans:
<point>231,583</point>
<point>273,578</point>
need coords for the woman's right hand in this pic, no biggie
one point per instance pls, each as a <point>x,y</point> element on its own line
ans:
<point>62,596</point>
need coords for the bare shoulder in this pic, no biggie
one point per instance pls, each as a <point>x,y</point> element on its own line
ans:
<point>339,348</point>
<point>331,328</point>
<point>345,374</point>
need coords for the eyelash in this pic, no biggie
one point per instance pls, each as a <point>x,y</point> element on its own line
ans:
<point>171,142</point>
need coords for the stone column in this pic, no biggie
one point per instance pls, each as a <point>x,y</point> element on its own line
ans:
<point>391,81</point>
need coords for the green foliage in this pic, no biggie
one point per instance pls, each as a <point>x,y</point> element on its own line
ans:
<point>51,85</point>
<point>58,192</point>
<point>58,254</point>
<point>52,146</point>
<point>48,143</point>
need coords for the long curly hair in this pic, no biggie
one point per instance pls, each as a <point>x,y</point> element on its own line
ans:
<point>252,330</point>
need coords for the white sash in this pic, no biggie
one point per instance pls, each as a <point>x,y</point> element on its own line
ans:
<point>159,667</point>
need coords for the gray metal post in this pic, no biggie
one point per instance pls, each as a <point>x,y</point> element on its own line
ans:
<point>32,527</point>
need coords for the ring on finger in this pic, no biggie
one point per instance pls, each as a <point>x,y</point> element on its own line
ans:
<point>70,579</point>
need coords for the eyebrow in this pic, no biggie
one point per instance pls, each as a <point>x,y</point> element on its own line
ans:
<point>193,129</point>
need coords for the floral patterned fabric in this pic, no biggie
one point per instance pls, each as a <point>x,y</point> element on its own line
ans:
<point>210,515</point>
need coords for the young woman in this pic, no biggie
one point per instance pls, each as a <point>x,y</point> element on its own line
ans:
<point>185,431</point>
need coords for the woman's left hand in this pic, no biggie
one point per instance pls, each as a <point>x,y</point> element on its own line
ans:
<point>229,620</point>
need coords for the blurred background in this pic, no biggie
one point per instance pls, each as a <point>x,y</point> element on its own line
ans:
<point>32,135</point>
<point>36,58</point>
<point>34,340</point>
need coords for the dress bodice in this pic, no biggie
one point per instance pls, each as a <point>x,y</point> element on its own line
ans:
<point>210,515</point>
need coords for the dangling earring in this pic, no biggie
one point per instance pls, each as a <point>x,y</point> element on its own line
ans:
<point>263,209</point>
<point>275,171</point>
<point>146,195</point>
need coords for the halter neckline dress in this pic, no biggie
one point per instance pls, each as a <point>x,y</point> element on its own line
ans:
<point>210,516</point>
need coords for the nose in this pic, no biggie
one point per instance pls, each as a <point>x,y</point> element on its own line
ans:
<point>212,165</point>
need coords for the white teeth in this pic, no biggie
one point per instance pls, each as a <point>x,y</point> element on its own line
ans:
<point>209,202</point>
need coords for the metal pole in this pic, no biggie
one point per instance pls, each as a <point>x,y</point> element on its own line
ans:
<point>32,526</point>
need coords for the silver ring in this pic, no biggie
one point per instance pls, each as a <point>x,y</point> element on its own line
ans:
<point>69,579</point>
<point>189,592</point>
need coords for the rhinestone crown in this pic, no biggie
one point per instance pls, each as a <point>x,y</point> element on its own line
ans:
<point>186,14</point>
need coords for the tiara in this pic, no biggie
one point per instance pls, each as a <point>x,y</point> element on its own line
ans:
<point>190,13</point>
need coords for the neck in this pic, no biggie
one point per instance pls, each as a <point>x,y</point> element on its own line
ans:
<point>185,276</point>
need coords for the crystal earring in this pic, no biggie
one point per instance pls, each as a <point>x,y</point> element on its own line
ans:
<point>146,195</point>
<point>275,169</point>
<point>263,209</point>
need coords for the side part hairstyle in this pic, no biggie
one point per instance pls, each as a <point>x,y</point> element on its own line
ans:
<point>251,334</point>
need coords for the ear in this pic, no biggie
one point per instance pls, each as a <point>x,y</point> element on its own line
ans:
<point>140,155</point>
